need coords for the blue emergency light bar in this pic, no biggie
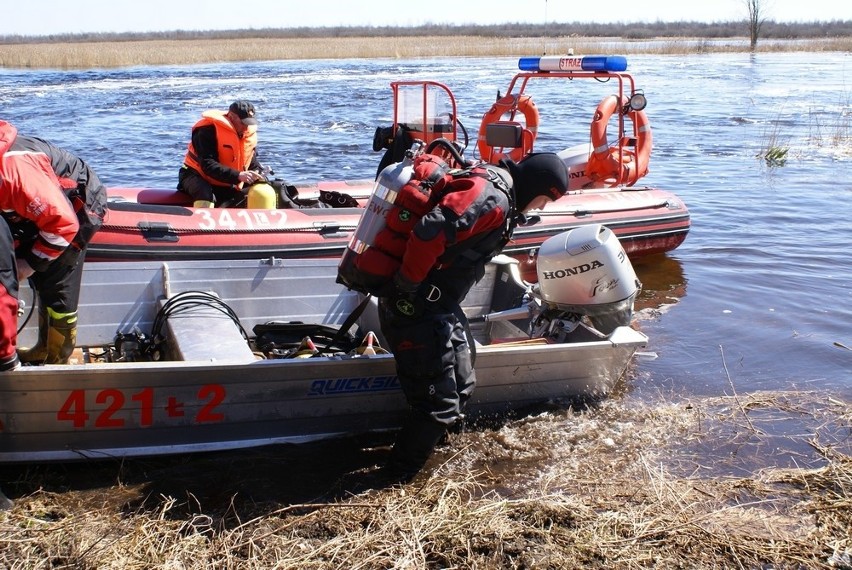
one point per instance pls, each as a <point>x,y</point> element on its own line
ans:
<point>573,63</point>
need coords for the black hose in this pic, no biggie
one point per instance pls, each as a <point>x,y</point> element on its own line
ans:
<point>466,135</point>
<point>449,147</point>
<point>26,320</point>
<point>186,300</point>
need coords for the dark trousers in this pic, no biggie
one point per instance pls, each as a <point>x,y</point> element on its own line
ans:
<point>190,182</point>
<point>435,371</point>
<point>58,286</point>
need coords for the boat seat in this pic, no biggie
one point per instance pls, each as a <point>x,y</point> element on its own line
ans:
<point>163,196</point>
<point>508,135</point>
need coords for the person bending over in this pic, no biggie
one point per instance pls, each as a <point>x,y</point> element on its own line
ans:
<point>52,204</point>
<point>421,317</point>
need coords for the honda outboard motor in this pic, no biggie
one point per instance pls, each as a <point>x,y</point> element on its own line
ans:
<point>584,272</point>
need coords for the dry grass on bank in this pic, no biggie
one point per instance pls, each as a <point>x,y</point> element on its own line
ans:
<point>165,52</point>
<point>613,487</point>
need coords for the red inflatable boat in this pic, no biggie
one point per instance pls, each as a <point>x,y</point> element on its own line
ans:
<point>158,224</point>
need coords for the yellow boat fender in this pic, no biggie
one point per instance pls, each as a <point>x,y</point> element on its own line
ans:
<point>262,196</point>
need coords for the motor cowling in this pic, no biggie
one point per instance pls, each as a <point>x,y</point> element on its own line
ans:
<point>404,193</point>
<point>585,271</point>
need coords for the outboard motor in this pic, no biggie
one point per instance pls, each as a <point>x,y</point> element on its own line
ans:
<point>584,273</point>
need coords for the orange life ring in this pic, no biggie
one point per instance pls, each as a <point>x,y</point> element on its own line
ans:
<point>509,104</point>
<point>605,165</point>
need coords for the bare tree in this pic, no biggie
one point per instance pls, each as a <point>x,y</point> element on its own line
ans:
<point>755,20</point>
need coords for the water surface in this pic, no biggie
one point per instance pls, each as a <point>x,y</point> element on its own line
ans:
<point>759,297</point>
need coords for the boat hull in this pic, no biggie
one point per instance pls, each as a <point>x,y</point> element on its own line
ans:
<point>55,413</point>
<point>224,399</point>
<point>148,224</point>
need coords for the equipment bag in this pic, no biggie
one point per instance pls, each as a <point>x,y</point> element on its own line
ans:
<point>281,339</point>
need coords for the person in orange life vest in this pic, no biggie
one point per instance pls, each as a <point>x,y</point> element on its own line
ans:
<point>52,203</point>
<point>420,315</point>
<point>221,159</point>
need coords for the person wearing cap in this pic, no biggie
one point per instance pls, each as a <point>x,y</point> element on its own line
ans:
<point>52,203</point>
<point>221,159</point>
<point>420,315</point>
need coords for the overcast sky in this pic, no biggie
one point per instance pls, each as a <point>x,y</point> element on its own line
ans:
<point>44,17</point>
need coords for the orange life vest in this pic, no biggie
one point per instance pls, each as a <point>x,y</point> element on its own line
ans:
<point>233,151</point>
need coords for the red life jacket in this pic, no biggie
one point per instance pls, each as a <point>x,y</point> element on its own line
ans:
<point>31,196</point>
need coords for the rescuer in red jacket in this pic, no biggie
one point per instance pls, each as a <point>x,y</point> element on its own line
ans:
<point>52,204</point>
<point>421,316</point>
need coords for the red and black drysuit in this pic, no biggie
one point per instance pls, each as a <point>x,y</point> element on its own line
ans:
<point>445,255</point>
<point>53,204</point>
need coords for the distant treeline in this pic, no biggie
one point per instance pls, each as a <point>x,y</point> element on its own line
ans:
<point>627,31</point>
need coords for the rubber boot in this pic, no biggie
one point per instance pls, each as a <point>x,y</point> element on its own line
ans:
<point>61,338</point>
<point>5,502</point>
<point>37,354</point>
<point>202,204</point>
<point>10,363</point>
<point>57,337</point>
<point>414,444</point>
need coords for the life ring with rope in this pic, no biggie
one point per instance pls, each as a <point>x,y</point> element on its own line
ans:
<point>511,105</point>
<point>605,165</point>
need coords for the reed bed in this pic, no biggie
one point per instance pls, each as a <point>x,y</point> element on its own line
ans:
<point>605,487</point>
<point>112,54</point>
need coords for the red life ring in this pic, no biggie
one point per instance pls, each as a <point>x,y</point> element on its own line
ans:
<point>509,104</point>
<point>605,166</point>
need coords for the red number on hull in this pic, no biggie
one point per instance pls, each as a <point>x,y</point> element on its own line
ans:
<point>116,413</point>
<point>114,399</point>
<point>74,409</point>
<point>216,394</point>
